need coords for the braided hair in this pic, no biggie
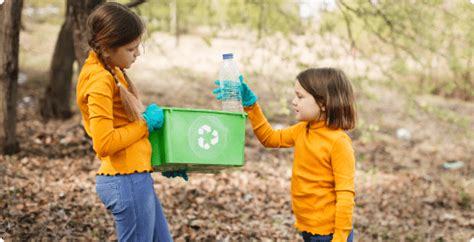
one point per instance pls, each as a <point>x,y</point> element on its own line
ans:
<point>110,26</point>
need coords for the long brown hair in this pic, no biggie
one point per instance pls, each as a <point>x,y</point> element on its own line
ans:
<point>333,93</point>
<point>112,25</point>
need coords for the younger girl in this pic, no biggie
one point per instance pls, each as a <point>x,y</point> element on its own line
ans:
<point>112,116</point>
<point>322,183</point>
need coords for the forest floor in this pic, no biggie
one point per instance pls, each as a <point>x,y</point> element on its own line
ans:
<point>405,190</point>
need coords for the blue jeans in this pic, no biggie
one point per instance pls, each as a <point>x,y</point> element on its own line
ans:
<point>309,237</point>
<point>137,211</point>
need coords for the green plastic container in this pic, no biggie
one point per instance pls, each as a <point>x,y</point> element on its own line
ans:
<point>198,140</point>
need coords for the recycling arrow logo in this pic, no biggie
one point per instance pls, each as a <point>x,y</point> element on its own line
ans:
<point>202,131</point>
<point>207,137</point>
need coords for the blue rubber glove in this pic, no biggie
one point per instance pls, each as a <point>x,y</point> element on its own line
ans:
<point>172,174</point>
<point>248,97</point>
<point>153,116</point>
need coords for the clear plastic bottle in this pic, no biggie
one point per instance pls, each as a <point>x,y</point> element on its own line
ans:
<point>230,84</point>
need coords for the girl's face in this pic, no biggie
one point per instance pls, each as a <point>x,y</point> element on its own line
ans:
<point>125,55</point>
<point>305,106</point>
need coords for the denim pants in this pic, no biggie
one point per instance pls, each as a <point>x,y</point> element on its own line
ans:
<point>136,209</point>
<point>308,237</point>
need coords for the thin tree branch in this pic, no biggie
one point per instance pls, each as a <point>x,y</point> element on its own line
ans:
<point>348,25</point>
<point>135,3</point>
<point>392,41</point>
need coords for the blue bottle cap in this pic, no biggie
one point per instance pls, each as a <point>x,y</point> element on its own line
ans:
<point>228,56</point>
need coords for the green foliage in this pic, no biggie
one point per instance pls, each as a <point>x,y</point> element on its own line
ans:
<point>44,3</point>
<point>49,11</point>
<point>445,115</point>
<point>465,200</point>
<point>365,131</point>
<point>266,17</point>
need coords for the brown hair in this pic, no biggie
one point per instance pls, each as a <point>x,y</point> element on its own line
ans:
<point>333,93</point>
<point>112,25</point>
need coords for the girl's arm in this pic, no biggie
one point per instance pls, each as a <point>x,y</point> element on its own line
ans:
<point>343,165</point>
<point>107,140</point>
<point>265,133</point>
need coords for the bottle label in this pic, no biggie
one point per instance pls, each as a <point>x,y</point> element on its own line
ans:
<point>231,91</point>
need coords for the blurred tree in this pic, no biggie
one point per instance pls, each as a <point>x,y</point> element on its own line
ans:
<point>80,11</point>
<point>10,15</point>
<point>174,23</point>
<point>55,103</point>
<point>70,46</point>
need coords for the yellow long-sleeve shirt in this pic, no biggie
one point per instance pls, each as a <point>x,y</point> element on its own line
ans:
<point>122,146</point>
<point>322,182</point>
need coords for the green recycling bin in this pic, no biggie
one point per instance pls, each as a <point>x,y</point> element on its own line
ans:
<point>198,140</point>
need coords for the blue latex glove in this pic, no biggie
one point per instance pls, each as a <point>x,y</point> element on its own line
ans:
<point>153,116</point>
<point>248,97</point>
<point>172,174</point>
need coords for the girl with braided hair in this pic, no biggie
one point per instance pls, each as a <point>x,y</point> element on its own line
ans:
<point>118,124</point>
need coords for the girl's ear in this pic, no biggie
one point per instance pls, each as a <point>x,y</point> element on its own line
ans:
<point>322,109</point>
<point>106,52</point>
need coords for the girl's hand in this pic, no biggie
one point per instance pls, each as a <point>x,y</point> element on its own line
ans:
<point>248,97</point>
<point>153,116</point>
<point>171,174</point>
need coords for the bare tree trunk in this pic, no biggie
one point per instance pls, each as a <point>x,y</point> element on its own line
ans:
<point>55,102</point>
<point>134,3</point>
<point>261,19</point>
<point>174,20</point>
<point>3,106</point>
<point>81,10</point>
<point>70,46</point>
<point>11,21</point>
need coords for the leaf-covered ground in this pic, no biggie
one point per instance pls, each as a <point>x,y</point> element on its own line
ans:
<point>403,192</point>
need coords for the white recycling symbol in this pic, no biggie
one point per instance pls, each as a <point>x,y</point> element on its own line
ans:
<point>207,129</point>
